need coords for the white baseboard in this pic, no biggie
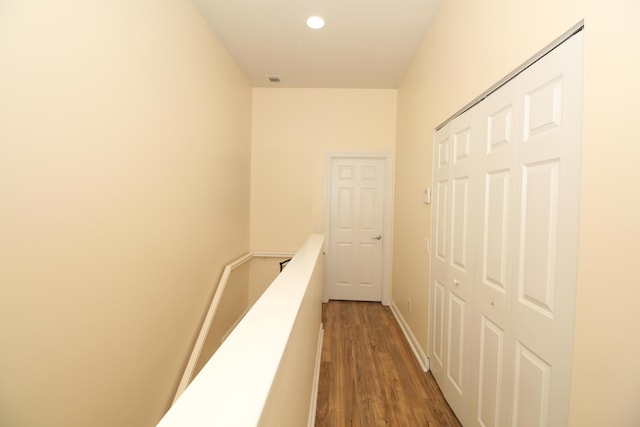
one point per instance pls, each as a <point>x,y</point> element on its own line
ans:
<point>413,342</point>
<point>316,380</point>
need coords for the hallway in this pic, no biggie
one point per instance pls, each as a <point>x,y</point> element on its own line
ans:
<point>369,375</point>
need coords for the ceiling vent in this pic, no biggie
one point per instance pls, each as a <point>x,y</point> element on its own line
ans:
<point>273,79</point>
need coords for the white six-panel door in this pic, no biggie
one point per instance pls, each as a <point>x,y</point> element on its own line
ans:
<point>505,248</point>
<point>357,227</point>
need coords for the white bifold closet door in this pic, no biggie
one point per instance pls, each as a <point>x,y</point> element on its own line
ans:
<point>457,186</point>
<point>504,261</point>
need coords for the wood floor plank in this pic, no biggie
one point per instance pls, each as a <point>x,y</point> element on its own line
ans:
<point>369,375</point>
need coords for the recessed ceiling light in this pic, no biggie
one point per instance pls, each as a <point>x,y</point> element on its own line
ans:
<point>315,22</point>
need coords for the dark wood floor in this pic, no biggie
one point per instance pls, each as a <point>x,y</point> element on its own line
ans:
<point>369,375</point>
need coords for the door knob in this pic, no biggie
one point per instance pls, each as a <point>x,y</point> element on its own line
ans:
<point>378,237</point>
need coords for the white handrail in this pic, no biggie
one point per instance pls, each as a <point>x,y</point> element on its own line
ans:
<point>239,384</point>
<point>206,326</point>
<point>189,370</point>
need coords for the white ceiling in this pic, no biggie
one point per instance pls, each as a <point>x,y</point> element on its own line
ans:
<point>364,44</point>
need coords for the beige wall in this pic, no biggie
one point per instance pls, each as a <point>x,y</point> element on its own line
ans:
<point>470,46</point>
<point>124,190</point>
<point>293,129</point>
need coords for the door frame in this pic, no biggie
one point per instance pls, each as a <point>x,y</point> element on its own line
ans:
<point>387,240</point>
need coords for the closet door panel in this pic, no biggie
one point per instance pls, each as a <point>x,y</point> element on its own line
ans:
<point>495,229</point>
<point>463,229</point>
<point>460,217</point>
<point>494,275</point>
<point>455,189</point>
<point>546,240</point>
<point>491,374</point>
<point>532,389</point>
<point>456,343</point>
<point>441,219</point>
<point>538,236</point>
<point>438,342</point>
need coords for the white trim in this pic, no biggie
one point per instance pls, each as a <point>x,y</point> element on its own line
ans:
<point>387,241</point>
<point>313,405</point>
<point>411,339</point>
<point>235,264</point>
<point>273,254</point>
